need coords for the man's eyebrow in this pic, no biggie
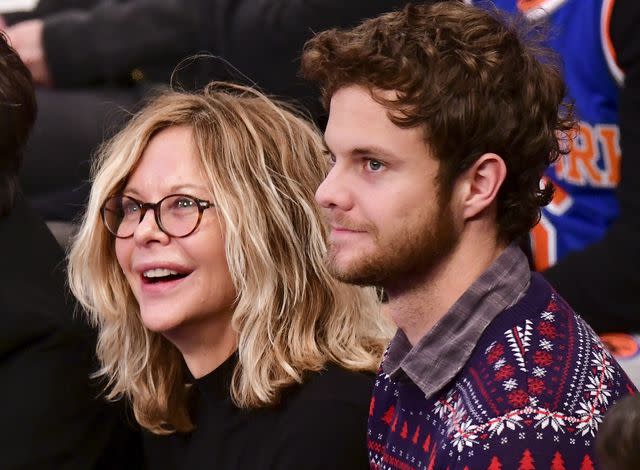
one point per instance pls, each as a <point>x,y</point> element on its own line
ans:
<point>372,151</point>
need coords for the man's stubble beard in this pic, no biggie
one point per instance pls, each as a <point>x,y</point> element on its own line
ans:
<point>413,251</point>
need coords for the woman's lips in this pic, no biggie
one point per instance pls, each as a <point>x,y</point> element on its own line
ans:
<point>152,287</point>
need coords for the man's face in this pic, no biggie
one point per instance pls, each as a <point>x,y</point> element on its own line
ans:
<point>381,197</point>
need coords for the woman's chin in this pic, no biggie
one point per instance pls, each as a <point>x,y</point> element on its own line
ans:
<point>159,323</point>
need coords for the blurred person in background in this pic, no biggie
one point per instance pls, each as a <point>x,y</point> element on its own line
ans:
<point>618,442</point>
<point>51,413</point>
<point>200,258</point>
<point>586,243</point>
<point>92,61</point>
<point>95,59</point>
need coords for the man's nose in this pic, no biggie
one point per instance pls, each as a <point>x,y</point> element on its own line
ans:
<point>334,192</point>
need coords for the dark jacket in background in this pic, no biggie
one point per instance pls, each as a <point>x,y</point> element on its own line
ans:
<point>110,42</point>
<point>115,42</point>
<point>105,56</point>
<point>264,39</point>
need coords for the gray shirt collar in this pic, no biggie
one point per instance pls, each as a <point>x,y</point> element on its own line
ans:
<point>444,350</point>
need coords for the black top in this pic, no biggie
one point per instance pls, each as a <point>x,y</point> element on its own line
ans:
<point>318,425</point>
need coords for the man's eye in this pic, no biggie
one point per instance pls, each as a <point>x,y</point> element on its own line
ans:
<point>374,165</point>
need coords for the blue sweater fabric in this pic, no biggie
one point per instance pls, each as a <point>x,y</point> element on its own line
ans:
<point>531,396</point>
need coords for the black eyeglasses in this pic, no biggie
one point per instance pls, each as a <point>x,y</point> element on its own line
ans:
<point>177,215</point>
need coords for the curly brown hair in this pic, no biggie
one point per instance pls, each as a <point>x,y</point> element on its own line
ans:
<point>472,81</point>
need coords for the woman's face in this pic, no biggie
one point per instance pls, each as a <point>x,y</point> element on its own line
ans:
<point>182,285</point>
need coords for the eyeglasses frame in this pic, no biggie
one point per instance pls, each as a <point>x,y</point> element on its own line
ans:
<point>202,205</point>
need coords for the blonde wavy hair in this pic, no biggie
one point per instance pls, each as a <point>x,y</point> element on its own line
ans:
<point>263,163</point>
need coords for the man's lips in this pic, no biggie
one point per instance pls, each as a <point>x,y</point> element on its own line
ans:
<point>336,229</point>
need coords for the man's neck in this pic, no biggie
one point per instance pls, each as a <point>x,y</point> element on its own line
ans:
<point>417,304</point>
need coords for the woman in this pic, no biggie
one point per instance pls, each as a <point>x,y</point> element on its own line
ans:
<point>200,259</point>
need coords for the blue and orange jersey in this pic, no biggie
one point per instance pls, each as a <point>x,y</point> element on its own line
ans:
<point>585,204</point>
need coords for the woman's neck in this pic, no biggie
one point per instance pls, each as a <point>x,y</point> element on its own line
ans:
<point>205,345</point>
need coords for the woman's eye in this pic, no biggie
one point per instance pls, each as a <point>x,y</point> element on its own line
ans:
<point>184,203</point>
<point>374,165</point>
<point>130,208</point>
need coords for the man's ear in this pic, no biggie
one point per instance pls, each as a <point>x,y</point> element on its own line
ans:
<point>481,183</point>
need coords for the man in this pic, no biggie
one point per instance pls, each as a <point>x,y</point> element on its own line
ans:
<point>49,410</point>
<point>441,124</point>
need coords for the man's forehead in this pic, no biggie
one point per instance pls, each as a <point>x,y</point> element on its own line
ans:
<point>372,98</point>
<point>357,120</point>
<point>354,110</point>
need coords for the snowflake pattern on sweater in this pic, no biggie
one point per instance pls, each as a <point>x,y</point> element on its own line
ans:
<point>531,396</point>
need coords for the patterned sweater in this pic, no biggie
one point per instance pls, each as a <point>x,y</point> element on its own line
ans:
<point>531,396</point>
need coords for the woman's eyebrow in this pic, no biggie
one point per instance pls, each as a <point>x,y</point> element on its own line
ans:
<point>177,188</point>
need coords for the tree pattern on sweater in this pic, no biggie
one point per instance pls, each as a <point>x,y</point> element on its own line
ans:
<point>531,396</point>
